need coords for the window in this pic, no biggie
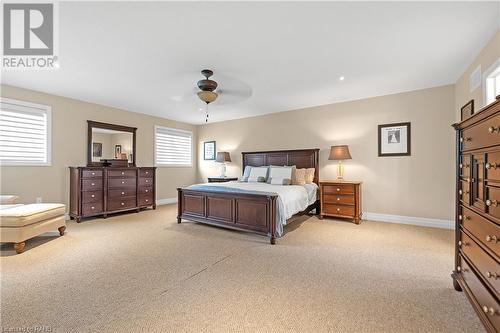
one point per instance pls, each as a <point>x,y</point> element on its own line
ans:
<point>491,82</point>
<point>173,147</point>
<point>25,135</point>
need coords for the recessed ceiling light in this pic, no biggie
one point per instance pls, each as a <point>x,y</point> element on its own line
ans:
<point>341,78</point>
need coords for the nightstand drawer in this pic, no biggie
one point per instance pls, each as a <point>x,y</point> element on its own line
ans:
<point>343,210</point>
<point>340,189</point>
<point>338,199</point>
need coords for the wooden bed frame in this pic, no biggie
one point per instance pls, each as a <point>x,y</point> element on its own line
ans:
<point>250,212</point>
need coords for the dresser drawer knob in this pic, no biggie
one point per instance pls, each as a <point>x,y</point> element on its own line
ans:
<point>338,209</point>
<point>123,182</point>
<point>462,243</point>
<point>464,165</point>
<point>92,207</point>
<point>147,172</point>
<point>492,275</point>
<point>93,173</point>
<point>338,199</point>
<point>123,173</point>
<point>123,193</point>
<point>93,195</point>
<point>463,192</point>
<point>465,139</point>
<point>491,203</point>
<point>147,200</point>
<point>461,269</point>
<point>489,310</point>
<point>491,239</point>
<point>493,129</point>
<point>338,189</point>
<point>123,204</point>
<point>147,191</point>
<point>147,181</point>
<point>92,184</point>
<point>491,165</point>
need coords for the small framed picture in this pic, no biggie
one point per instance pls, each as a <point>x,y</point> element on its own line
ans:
<point>118,151</point>
<point>467,110</point>
<point>209,150</point>
<point>394,139</point>
<point>96,149</point>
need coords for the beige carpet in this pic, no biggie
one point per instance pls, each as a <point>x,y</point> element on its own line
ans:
<point>145,273</point>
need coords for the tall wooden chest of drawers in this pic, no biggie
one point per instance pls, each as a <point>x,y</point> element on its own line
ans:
<point>477,243</point>
<point>100,191</point>
<point>340,199</point>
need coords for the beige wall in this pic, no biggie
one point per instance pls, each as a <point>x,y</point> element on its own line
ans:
<point>488,55</point>
<point>69,148</point>
<point>421,185</point>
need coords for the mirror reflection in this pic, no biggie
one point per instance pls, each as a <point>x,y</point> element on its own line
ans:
<point>110,144</point>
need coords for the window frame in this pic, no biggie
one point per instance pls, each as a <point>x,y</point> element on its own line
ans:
<point>495,66</point>
<point>42,109</point>
<point>156,164</point>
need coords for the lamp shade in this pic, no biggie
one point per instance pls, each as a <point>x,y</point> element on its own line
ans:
<point>339,153</point>
<point>223,157</point>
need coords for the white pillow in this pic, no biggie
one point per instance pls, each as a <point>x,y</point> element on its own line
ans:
<point>281,172</point>
<point>246,173</point>
<point>258,173</point>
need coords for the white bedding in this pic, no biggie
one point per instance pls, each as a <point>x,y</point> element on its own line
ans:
<point>291,198</point>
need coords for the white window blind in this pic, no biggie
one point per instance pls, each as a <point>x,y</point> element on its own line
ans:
<point>173,147</point>
<point>492,82</point>
<point>25,136</point>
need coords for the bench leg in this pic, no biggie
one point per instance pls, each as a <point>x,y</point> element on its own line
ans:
<point>19,247</point>
<point>61,230</point>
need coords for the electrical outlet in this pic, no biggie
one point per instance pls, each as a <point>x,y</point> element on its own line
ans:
<point>38,199</point>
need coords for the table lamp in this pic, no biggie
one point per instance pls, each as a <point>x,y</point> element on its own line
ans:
<point>339,153</point>
<point>223,157</point>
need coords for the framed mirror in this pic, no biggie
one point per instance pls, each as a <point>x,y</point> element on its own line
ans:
<point>110,145</point>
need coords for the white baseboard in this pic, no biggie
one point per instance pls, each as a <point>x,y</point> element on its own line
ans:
<point>167,201</point>
<point>412,220</point>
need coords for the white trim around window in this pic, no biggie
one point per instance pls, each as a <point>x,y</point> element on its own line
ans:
<point>25,133</point>
<point>173,147</point>
<point>491,87</point>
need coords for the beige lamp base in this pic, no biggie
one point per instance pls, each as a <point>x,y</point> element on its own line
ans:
<point>340,171</point>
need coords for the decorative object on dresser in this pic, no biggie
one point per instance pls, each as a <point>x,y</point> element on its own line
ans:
<point>341,199</point>
<point>223,157</point>
<point>339,153</point>
<point>467,110</point>
<point>209,150</point>
<point>477,216</point>
<point>394,139</point>
<point>221,179</point>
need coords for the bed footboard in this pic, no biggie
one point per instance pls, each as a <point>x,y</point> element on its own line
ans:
<point>255,213</point>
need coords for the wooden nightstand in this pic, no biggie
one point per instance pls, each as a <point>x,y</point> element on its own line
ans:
<point>341,199</point>
<point>221,180</point>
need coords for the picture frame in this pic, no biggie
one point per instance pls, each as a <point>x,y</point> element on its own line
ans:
<point>96,149</point>
<point>467,110</point>
<point>209,150</point>
<point>118,151</point>
<point>394,139</point>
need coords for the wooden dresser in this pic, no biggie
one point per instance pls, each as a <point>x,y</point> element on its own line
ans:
<point>341,199</point>
<point>477,243</point>
<point>100,190</point>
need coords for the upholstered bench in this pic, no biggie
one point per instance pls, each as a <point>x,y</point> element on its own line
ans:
<point>21,222</point>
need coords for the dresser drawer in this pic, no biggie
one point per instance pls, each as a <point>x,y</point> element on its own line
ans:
<point>487,266</point>
<point>91,184</point>
<point>121,193</point>
<point>339,189</point>
<point>464,192</point>
<point>485,300</point>
<point>344,210</point>
<point>484,134</point>
<point>122,173</point>
<point>92,196</point>
<point>464,166</point>
<point>145,190</point>
<point>146,200</point>
<point>92,208</point>
<point>121,182</point>
<point>146,173</point>
<point>121,203</point>
<point>493,166</point>
<point>484,230</point>
<point>91,173</point>
<point>145,181</point>
<point>493,201</point>
<point>338,199</point>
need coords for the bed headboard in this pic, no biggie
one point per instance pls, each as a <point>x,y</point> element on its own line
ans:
<point>302,158</point>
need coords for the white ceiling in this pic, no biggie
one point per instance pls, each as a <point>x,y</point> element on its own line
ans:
<point>142,56</point>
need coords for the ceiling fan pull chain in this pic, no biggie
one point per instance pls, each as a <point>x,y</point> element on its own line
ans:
<point>206,111</point>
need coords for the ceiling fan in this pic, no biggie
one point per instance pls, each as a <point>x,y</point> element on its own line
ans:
<point>223,90</point>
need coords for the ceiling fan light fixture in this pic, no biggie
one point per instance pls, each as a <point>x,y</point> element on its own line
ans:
<point>207,96</point>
